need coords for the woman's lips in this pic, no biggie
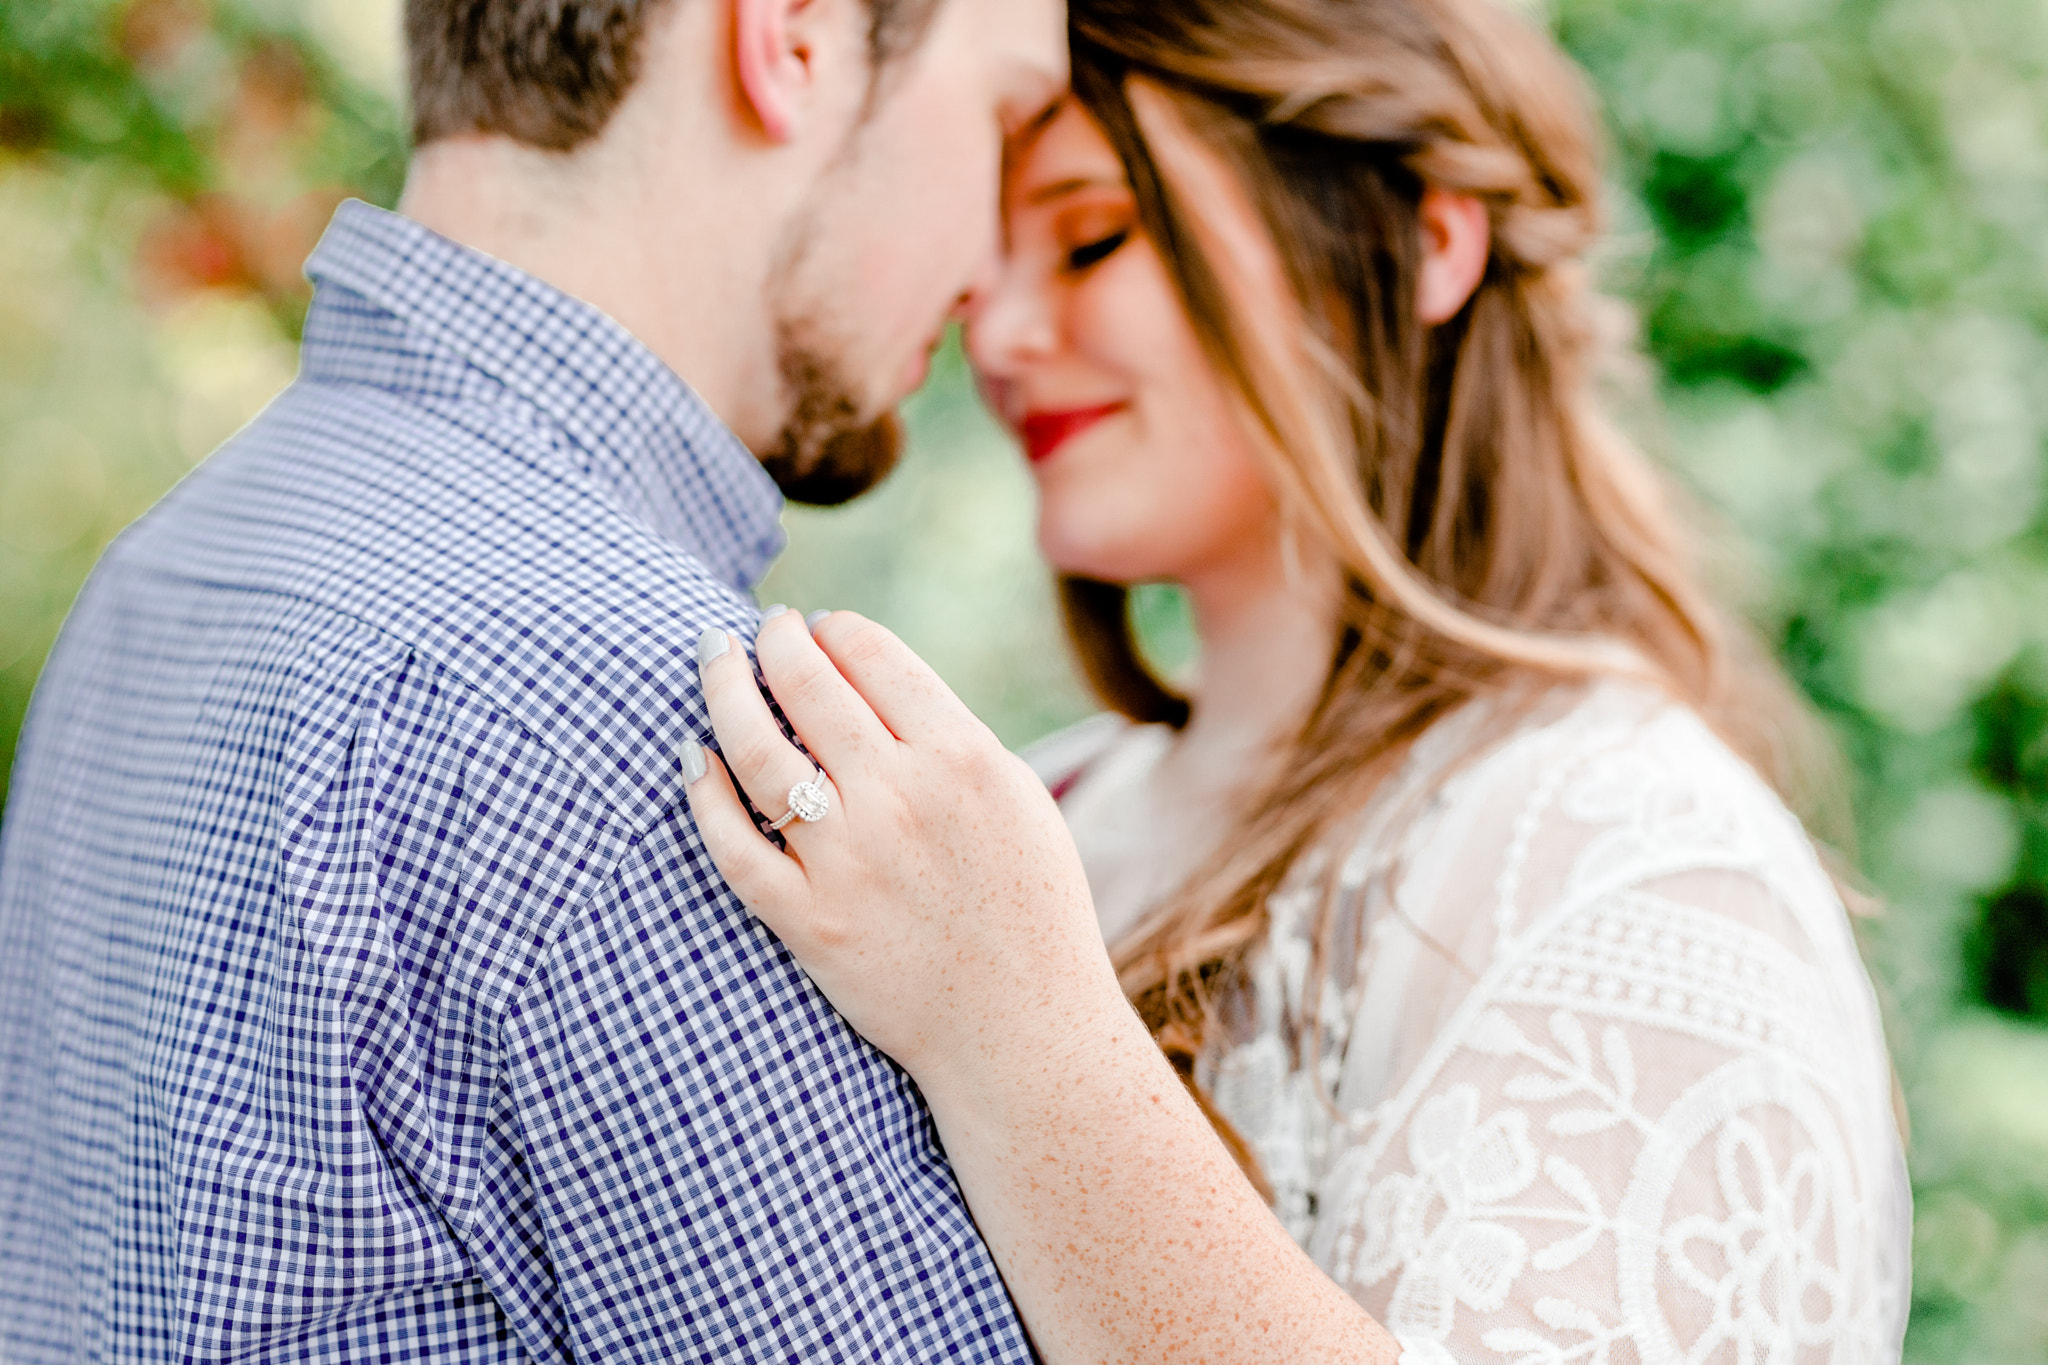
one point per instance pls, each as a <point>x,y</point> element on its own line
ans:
<point>1046,432</point>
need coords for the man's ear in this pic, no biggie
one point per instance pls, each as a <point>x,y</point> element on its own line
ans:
<point>781,53</point>
<point>1457,239</point>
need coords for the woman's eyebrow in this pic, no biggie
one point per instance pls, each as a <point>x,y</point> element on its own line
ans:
<point>1071,184</point>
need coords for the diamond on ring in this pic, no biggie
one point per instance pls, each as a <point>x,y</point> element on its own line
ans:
<point>808,802</point>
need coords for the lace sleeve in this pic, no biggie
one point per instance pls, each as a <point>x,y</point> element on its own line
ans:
<point>1615,1089</point>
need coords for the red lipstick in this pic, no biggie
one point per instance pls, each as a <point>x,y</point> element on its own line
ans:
<point>1046,432</point>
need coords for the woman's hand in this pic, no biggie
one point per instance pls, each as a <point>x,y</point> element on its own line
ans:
<point>940,903</point>
<point>941,906</point>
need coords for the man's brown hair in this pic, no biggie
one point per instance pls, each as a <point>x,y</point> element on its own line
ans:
<point>550,73</point>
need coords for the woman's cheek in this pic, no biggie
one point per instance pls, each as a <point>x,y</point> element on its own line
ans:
<point>1150,493</point>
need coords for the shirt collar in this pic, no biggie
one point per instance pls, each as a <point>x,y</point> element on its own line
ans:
<point>636,426</point>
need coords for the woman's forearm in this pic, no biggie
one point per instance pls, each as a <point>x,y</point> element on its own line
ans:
<point>1123,1227</point>
<point>943,908</point>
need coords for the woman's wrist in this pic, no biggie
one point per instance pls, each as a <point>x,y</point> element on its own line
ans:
<point>1061,1020</point>
<point>1121,1223</point>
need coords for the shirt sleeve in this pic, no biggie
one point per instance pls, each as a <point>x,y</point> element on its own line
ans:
<point>1645,1111</point>
<point>721,1168</point>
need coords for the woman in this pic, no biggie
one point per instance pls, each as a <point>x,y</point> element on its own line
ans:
<point>1457,891</point>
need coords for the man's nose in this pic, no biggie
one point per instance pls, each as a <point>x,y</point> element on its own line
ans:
<point>984,281</point>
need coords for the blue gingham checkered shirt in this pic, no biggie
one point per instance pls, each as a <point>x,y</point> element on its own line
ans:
<point>365,991</point>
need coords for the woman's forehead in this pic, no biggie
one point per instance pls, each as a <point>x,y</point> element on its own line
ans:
<point>1066,154</point>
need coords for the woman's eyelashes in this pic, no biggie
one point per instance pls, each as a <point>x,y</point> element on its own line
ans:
<point>1086,257</point>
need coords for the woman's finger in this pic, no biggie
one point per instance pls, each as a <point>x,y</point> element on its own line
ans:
<point>911,699</point>
<point>760,757</point>
<point>829,716</point>
<point>760,874</point>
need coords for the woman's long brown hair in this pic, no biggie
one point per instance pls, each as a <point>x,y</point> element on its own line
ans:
<point>1496,535</point>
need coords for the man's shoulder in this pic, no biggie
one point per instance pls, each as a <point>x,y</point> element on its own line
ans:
<point>463,533</point>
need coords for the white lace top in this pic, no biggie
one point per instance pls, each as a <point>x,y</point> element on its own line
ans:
<point>1600,1076</point>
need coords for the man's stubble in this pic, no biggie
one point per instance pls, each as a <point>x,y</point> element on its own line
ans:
<point>830,450</point>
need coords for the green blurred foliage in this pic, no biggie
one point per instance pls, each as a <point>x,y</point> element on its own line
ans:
<point>165,165</point>
<point>1831,217</point>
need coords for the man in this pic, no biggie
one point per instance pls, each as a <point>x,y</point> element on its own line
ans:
<point>365,993</point>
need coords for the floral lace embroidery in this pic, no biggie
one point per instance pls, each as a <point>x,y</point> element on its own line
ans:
<point>1644,1118</point>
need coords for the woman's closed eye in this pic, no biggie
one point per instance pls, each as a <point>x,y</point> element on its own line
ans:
<point>1092,227</point>
<point>1087,256</point>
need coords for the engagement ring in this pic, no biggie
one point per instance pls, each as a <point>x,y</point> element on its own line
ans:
<point>808,802</point>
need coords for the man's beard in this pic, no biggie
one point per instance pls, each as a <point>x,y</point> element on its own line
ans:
<point>828,453</point>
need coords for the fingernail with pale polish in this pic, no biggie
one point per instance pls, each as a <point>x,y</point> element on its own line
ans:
<point>777,610</point>
<point>693,762</point>
<point>816,619</point>
<point>712,644</point>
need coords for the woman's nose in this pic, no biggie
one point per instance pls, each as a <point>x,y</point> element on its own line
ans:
<point>1009,322</point>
